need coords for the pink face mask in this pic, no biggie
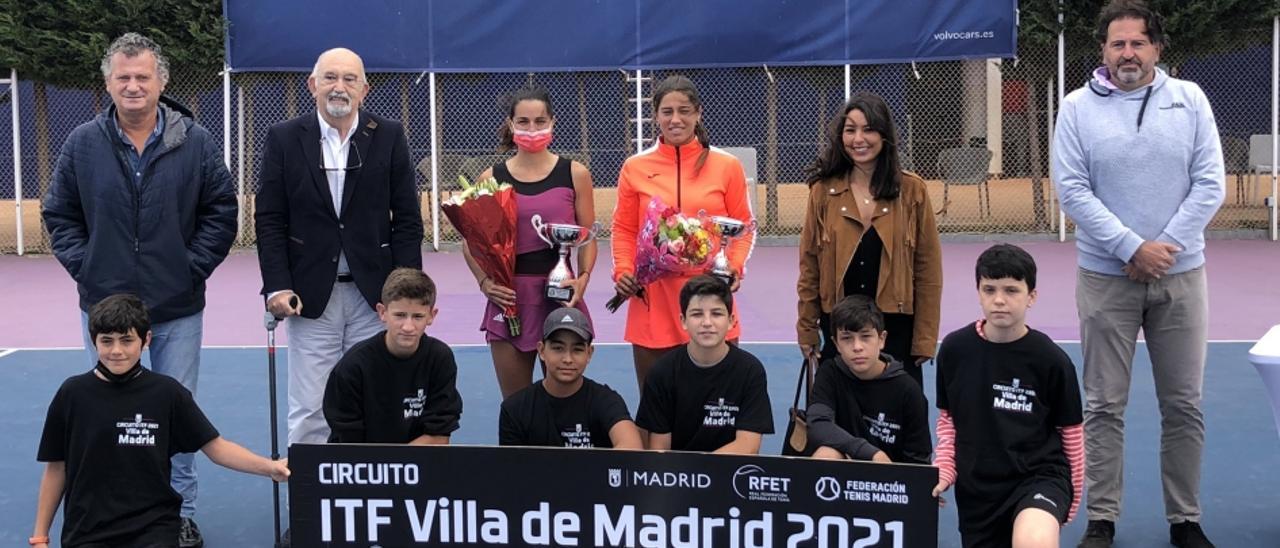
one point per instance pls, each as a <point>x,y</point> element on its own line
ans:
<point>532,141</point>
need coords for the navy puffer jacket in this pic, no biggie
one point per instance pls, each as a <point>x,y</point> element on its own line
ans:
<point>159,240</point>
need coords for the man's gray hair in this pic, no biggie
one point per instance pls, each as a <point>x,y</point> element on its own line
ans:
<point>132,44</point>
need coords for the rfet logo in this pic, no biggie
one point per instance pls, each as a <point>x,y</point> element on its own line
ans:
<point>827,488</point>
<point>751,482</point>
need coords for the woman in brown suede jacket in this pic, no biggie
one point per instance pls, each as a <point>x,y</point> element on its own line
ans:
<point>894,258</point>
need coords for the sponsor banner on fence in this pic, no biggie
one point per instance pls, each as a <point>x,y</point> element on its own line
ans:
<point>390,495</point>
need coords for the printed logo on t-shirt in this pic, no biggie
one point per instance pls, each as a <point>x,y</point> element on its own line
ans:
<point>882,429</point>
<point>577,438</point>
<point>720,413</point>
<point>1044,498</point>
<point>137,432</point>
<point>413,404</point>
<point>1014,396</point>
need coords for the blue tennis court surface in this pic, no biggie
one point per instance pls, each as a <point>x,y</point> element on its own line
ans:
<point>1239,486</point>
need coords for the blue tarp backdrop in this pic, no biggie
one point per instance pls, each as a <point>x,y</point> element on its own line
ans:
<point>561,35</point>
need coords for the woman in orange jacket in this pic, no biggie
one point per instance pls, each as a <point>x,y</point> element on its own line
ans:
<point>869,230</point>
<point>685,172</point>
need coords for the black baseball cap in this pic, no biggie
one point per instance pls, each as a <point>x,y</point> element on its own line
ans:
<point>567,318</point>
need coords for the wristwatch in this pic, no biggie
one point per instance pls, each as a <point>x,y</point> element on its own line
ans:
<point>38,540</point>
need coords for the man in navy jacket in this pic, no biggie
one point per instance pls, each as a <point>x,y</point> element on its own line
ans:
<point>142,203</point>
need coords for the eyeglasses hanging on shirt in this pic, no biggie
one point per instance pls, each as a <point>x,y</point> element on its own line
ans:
<point>359,161</point>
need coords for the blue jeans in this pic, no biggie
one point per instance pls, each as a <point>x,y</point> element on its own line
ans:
<point>175,351</point>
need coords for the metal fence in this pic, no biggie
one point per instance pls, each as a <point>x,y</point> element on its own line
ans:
<point>977,131</point>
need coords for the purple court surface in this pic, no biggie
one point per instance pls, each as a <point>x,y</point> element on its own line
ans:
<point>40,307</point>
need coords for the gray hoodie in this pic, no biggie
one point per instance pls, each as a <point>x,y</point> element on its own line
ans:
<point>1135,166</point>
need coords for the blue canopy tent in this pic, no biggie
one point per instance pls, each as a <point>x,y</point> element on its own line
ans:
<point>574,35</point>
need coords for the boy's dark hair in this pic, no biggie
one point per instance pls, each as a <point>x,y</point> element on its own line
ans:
<point>706,286</point>
<point>855,313</point>
<point>1006,261</point>
<point>119,314</point>
<point>409,283</point>
<point>1131,9</point>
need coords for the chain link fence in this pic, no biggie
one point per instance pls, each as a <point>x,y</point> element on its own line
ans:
<point>977,131</point>
<point>1237,83</point>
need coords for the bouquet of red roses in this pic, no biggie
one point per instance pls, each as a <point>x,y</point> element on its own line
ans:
<point>668,244</point>
<point>485,215</point>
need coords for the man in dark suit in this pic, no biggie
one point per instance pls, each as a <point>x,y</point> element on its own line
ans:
<point>337,210</point>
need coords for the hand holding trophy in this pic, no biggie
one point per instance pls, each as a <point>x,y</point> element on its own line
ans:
<point>566,237</point>
<point>728,228</point>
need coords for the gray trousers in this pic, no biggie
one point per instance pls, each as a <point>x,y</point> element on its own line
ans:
<point>315,346</point>
<point>1173,313</point>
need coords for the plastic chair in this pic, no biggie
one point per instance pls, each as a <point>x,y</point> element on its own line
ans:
<point>1235,154</point>
<point>747,157</point>
<point>965,166</point>
<point>1259,154</point>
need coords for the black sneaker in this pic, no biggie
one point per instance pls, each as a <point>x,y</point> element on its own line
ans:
<point>189,535</point>
<point>1188,534</point>
<point>1099,534</point>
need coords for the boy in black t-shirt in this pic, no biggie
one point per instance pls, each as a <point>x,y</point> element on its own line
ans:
<point>1009,425</point>
<point>864,405</point>
<point>108,438</point>
<point>566,409</point>
<point>708,395</point>
<point>397,386</point>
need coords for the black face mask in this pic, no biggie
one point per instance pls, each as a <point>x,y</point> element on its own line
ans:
<point>122,378</point>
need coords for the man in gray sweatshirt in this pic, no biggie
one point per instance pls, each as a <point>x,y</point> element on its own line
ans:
<point>1138,166</point>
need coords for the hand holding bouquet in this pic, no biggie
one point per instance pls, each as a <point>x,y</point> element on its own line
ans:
<point>668,244</point>
<point>485,215</point>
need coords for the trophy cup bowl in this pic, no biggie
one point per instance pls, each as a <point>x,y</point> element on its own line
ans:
<point>565,236</point>
<point>729,228</point>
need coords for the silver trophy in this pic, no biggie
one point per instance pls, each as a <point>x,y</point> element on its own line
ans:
<point>729,229</point>
<point>567,237</point>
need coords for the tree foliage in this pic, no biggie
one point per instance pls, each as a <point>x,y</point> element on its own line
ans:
<point>1193,28</point>
<point>62,42</point>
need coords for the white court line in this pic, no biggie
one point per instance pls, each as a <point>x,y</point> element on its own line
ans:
<point>6,352</point>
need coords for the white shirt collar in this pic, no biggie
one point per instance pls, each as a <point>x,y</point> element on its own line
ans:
<point>326,129</point>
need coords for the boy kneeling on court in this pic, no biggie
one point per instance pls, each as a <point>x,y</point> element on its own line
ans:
<point>397,386</point>
<point>108,438</point>
<point>708,395</point>
<point>566,409</point>
<point>864,405</point>
<point>1009,415</point>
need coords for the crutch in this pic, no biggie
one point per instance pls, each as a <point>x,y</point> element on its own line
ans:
<point>270,321</point>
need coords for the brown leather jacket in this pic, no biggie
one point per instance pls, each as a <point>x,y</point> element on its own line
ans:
<point>910,266</point>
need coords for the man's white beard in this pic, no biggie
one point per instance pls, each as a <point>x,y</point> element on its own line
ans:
<point>337,110</point>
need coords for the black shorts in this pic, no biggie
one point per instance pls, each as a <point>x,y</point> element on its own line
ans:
<point>990,524</point>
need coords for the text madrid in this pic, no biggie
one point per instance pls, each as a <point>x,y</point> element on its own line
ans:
<point>445,521</point>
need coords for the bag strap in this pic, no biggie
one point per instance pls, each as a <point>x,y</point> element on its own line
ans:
<point>804,384</point>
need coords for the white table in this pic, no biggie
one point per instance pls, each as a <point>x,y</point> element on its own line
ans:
<point>1265,355</point>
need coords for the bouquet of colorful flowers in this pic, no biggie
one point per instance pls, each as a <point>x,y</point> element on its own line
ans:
<point>485,215</point>
<point>668,244</point>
